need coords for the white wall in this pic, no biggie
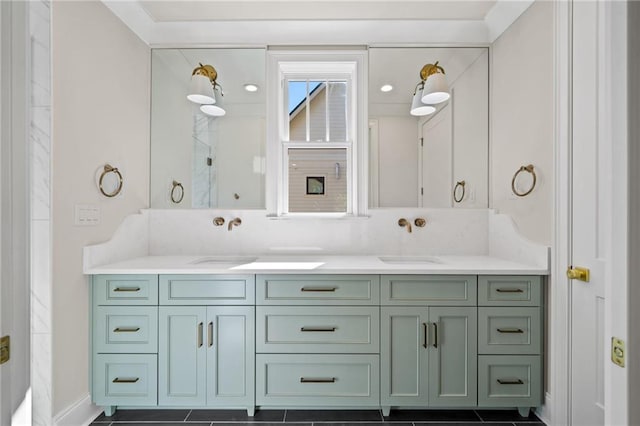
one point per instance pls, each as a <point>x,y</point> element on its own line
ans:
<point>100,114</point>
<point>522,120</point>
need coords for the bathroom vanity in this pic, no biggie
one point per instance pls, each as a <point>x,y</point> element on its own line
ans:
<point>187,314</point>
<point>415,332</point>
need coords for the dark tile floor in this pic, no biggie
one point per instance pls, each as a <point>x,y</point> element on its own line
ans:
<point>318,418</point>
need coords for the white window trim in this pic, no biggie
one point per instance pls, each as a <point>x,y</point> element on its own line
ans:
<point>306,64</point>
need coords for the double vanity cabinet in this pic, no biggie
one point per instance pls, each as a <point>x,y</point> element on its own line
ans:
<point>316,340</point>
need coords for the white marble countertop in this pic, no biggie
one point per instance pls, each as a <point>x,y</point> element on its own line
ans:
<point>318,264</point>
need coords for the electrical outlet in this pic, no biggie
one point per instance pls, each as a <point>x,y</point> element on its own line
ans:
<point>87,215</point>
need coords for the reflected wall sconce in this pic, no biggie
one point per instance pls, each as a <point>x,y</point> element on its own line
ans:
<point>431,90</point>
<point>202,90</point>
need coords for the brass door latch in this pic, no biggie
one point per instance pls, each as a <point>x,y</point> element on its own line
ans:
<point>5,349</point>
<point>578,273</point>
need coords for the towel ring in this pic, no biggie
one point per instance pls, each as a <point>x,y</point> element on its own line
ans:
<point>528,169</point>
<point>109,169</point>
<point>174,199</point>
<point>460,184</point>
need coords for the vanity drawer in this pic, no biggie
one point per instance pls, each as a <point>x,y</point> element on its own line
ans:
<point>523,290</point>
<point>316,329</point>
<point>317,380</point>
<point>318,289</point>
<point>509,381</point>
<point>125,289</point>
<point>434,290</point>
<point>125,329</point>
<point>207,289</point>
<point>125,380</point>
<point>509,331</point>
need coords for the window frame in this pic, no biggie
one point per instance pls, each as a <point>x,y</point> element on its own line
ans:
<point>283,66</point>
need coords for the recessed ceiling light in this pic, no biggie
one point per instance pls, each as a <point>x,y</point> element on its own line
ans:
<point>386,88</point>
<point>250,87</point>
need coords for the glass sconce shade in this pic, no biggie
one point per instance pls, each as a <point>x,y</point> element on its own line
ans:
<point>436,89</point>
<point>212,110</point>
<point>418,108</point>
<point>201,90</point>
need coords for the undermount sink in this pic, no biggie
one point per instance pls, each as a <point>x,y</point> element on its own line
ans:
<point>223,260</point>
<point>410,260</point>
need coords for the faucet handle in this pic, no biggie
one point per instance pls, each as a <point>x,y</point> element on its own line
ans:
<point>218,221</point>
<point>420,222</point>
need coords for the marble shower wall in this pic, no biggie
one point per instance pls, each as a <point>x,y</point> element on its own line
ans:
<point>40,153</point>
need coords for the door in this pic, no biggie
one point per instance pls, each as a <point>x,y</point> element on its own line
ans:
<point>230,355</point>
<point>453,357</point>
<point>436,164</point>
<point>182,356</point>
<point>589,219</point>
<point>403,356</point>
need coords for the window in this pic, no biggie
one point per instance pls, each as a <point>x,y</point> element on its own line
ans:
<point>315,134</point>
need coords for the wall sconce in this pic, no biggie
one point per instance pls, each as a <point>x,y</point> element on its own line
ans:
<point>202,90</point>
<point>431,90</point>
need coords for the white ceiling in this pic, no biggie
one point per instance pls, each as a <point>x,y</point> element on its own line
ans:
<point>188,23</point>
<point>243,10</point>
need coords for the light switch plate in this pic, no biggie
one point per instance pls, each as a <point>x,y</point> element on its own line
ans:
<point>87,215</point>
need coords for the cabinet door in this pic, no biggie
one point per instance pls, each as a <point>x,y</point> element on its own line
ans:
<point>182,356</point>
<point>403,356</point>
<point>230,342</point>
<point>453,354</point>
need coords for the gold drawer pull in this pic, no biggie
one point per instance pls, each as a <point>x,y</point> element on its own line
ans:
<point>510,290</point>
<point>319,289</point>
<point>510,330</point>
<point>126,289</point>
<point>318,328</point>
<point>126,329</point>
<point>126,380</point>
<point>510,382</point>
<point>317,380</point>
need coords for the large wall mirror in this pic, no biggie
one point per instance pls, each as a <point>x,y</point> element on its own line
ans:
<point>435,160</point>
<point>208,161</point>
<point>202,161</point>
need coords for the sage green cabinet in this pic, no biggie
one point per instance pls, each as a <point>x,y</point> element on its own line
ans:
<point>510,342</point>
<point>428,356</point>
<point>206,356</point>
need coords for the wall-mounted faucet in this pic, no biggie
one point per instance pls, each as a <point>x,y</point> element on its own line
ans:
<point>420,222</point>
<point>405,223</point>
<point>218,221</point>
<point>235,222</point>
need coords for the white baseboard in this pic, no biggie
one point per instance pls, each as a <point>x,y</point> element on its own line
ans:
<point>81,413</point>
<point>545,412</point>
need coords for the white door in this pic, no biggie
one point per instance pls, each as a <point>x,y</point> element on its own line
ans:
<point>436,161</point>
<point>5,373</point>
<point>5,306</point>
<point>589,215</point>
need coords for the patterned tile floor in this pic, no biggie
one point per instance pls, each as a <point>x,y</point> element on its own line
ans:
<point>318,418</point>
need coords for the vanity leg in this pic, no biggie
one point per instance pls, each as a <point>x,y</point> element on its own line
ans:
<point>251,411</point>
<point>386,410</point>
<point>523,411</point>
<point>109,410</point>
